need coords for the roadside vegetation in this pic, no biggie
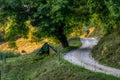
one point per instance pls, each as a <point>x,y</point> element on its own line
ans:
<point>48,67</point>
<point>107,51</point>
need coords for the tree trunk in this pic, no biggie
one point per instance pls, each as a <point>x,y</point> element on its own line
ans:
<point>61,37</point>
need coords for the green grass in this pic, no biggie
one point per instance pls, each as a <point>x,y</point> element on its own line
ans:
<point>75,42</point>
<point>33,67</point>
<point>107,51</point>
<point>49,68</point>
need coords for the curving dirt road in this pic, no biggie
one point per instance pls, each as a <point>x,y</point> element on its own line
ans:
<point>82,57</point>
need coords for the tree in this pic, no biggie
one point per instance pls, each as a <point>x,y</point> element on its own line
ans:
<point>47,15</point>
<point>51,19</point>
<point>108,12</point>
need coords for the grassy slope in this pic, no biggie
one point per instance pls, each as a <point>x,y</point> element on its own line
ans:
<point>45,67</point>
<point>107,51</point>
<point>49,68</point>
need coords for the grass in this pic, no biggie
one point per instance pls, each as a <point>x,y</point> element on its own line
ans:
<point>107,51</point>
<point>44,67</point>
<point>49,68</point>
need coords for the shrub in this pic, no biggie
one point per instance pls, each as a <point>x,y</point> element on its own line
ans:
<point>9,54</point>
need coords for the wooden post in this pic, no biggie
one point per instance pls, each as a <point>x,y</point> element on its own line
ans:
<point>0,75</point>
<point>58,54</point>
<point>3,58</point>
<point>1,68</point>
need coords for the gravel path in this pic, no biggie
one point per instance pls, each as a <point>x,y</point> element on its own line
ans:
<point>82,57</point>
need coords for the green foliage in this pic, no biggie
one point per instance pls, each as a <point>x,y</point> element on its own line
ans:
<point>108,11</point>
<point>80,8</point>
<point>48,16</point>
<point>74,25</point>
<point>9,54</point>
<point>56,18</point>
<point>9,8</point>
<point>11,17</point>
<point>12,44</point>
<point>11,30</point>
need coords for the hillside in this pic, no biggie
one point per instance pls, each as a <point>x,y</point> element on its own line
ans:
<point>44,67</point>
<point>107,51</point>
<point>48,68</point>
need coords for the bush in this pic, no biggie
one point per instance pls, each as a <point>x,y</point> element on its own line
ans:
<point>9,54</point>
